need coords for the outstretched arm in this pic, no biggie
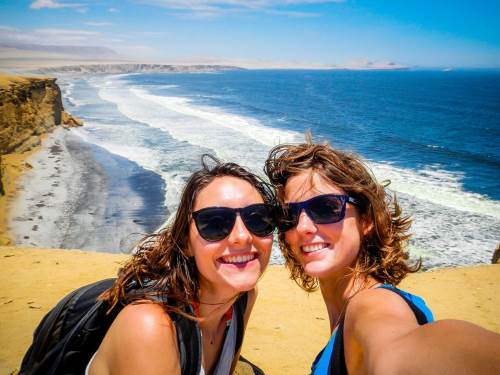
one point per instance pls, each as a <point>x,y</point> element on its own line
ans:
<point>383,337</point>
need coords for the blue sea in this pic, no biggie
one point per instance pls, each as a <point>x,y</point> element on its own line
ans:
<point>434,134</point>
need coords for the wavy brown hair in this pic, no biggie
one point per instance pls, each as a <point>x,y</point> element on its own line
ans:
<point>382,254</point>
<point>160,269</point>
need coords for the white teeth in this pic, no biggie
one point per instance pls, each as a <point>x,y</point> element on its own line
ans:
<point>238,258</point>
<point>312,248</point>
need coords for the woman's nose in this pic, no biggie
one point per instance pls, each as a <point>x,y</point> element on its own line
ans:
<point>305,225</point>
<point>240,234</point>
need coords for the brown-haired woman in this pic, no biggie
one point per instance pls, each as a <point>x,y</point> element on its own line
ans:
<point>211,256</point>
<point>339,229</point>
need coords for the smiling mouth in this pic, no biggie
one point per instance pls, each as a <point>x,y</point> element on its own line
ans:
<point>238,259</point>
<point>314,247</point>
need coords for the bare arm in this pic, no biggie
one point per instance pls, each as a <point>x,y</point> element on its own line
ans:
<point>383,337</point>
<point>141,340</point>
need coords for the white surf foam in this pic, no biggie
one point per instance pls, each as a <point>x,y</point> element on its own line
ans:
<point>246,140</point>
<point>433,195</point>
<point>247,126</point>
<point>149,158</point>
<point>166,86</point>
<point>438,186</point>
<point>231,137</point>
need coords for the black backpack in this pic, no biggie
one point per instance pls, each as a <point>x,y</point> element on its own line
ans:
<point>70,334</point>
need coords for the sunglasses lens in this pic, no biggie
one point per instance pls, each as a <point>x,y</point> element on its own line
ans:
<point>215,224</point>
<point>326,209</point>
<point>259,219</point>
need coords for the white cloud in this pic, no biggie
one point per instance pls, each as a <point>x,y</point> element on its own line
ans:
<point>98,23</point>
<point>55,4</point>
<point>293,14</point>
<point>213,8</point>
<point>52,36</point>
<point>252,4</point>
<point>67,36</point>
<point>6,28</point>
<point>113,10</point>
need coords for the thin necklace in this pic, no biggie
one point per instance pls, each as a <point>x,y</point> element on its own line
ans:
<point>210,338</point>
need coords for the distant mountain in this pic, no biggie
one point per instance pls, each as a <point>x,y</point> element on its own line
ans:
<point>135,68</point>
<point>94,52</point>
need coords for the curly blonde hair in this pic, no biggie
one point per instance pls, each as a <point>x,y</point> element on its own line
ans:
<point>382,254</point>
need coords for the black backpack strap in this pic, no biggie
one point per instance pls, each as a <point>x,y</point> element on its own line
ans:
<point>337,362</point>
<point>240,307</point>
<point>189,343</point>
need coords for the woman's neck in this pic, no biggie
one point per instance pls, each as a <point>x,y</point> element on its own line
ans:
<point>337,292</point>
<point>213,305</point>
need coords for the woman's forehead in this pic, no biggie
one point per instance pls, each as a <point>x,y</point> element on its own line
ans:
<point>308,184</point>
<point>227,191</point>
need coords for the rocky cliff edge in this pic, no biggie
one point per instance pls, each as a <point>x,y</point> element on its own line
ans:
<point>29,108</point>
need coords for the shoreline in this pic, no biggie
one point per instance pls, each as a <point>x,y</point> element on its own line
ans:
<point>286,329</point>
<point>61,191</point>
<point>13,167</point>
<point>77,195</point>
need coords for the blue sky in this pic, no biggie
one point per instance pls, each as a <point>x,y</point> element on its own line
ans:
<point>303,32</point>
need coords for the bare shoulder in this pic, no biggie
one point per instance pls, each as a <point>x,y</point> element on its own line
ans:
<point>375,320</point>
<point>380,303</point>
<point>142,339</point>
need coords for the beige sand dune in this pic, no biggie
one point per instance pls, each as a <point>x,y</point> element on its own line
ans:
<point>288,326</point>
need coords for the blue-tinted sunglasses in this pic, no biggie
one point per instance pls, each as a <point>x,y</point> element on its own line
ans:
<point>322,209</point>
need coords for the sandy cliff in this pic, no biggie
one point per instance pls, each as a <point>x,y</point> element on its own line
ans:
<point>29,108</point>
<point>287,327</point>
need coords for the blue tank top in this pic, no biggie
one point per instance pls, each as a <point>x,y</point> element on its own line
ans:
<point>323,364</point>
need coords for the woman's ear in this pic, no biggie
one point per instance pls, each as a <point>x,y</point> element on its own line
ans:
<point>367,226</point>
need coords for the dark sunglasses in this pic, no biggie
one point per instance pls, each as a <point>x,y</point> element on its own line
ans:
<point>323,209</point>
<point>215,223</point>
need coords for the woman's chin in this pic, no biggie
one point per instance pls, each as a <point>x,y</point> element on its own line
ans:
<point>242,282</point>
<point>318,269</point>
<point>242,277</point>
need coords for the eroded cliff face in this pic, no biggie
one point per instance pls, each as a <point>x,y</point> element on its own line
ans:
<point>29,107</point>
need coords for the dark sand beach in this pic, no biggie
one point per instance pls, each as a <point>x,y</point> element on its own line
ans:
<point>77,195</point>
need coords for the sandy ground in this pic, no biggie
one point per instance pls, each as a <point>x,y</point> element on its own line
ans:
<point>287,328</point>
<point>13,166</point>
<point>67,198</point>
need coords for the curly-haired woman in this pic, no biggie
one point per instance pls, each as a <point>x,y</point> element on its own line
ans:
<point>205,263</point>
<point>339,229</point>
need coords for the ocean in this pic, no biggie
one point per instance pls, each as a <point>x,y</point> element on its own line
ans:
<point>433,134</point>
